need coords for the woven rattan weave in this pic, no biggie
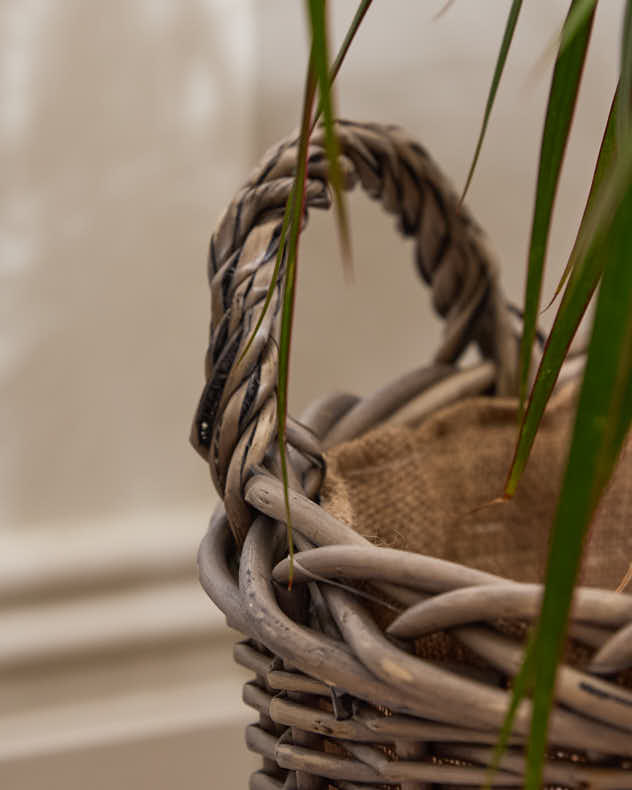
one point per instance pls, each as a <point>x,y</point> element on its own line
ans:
<point>342,702</point>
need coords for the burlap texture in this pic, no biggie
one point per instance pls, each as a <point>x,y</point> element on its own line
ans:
<point>427,489</point>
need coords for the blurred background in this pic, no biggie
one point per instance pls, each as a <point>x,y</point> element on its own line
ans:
<point>125,128</point>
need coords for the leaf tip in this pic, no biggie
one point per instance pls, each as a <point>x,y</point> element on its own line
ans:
<point>510,489</point>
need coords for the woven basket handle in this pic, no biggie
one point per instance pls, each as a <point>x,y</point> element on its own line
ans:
<point>236,418</point>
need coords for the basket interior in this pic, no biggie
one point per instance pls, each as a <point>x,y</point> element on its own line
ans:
<point>433,488</point>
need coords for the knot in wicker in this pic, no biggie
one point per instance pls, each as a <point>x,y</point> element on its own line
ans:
<point>344,700</point>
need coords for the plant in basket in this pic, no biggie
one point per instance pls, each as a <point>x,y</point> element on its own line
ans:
<point>408,568</point>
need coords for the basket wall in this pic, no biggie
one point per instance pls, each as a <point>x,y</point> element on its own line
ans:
<point>346,698</point>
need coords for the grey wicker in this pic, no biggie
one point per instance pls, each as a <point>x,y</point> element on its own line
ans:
<point>341,703</point>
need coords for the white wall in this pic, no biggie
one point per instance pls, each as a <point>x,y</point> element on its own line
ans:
<point>124,128</point>
<point>431,76</point>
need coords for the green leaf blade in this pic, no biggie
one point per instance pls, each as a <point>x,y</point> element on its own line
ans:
<point>521,686</point>
<point>277,270</point>
<point>296,201</point>
<point>575,21</point>
<point>512,20</point>
<point>317,75</point>
<point>560,109</point>
<point>601,174</point>
<point>318,24</point>
<point>586,272</point>
<point>602,421</point>
<point>626,72</point>
<point>339,60</point>
<point>357,20</point>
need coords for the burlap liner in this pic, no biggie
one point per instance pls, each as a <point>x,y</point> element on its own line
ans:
<point>427,489</point>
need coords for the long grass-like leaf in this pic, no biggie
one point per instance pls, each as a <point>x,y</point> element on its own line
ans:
<point>287,310</point>
<point>606,205</point>
<point>602,421</point>
<point>294,210</point>
<point>575,21</point>
<point>357,20</point>
<point>572,25</point>
<point>608,145</point>
<point>444,9</point>
<point>337,64</point>
<point>626,72</point>
<point>587,272</point>
<point>318,24</point>
<point>561,105</point>
<point>523,682</point>
<point>277,269</point>
<point>510,27</point>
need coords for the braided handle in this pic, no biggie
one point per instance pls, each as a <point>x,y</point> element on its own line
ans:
<point>235,422</point>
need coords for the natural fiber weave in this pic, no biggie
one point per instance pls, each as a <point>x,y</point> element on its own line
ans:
<point>348,698</point>
<point>434,490</point>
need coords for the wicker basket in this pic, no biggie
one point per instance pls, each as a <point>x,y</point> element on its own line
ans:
<point>341,703</point>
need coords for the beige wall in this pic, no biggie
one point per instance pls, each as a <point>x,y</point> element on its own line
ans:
<point>125,127</point>
<point>431,77</point>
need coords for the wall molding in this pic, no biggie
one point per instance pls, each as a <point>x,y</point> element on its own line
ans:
<point>107,639</point>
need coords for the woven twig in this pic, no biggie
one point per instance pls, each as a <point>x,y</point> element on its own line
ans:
<point>592,716</point>
<point>235,421</point>
<point>341,702</point>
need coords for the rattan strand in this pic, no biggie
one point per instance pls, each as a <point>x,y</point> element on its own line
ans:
<point>234,424</point>
<point>342,704</point>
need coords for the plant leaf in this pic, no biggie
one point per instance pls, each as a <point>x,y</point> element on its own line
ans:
<point>572,24</point>
<point>277,269</point>
<point>626,72</point>
<point>443,10</point>
<point>521,685</point>
<point>561,105</point>
<point>601,424</point>
<point>510,27</point>
<point>606,151</point>
<point>358,17</point>
<point>318,24</point>
<point>288,251</point>
<point>342,53</point>
<point>587,272</point>
<point>575,21</point>
<point>287,310</point>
